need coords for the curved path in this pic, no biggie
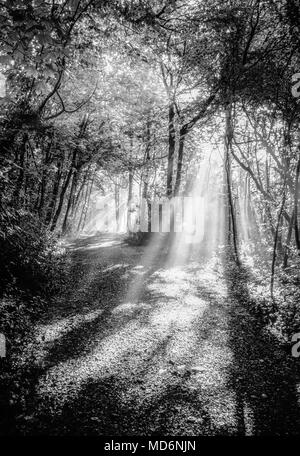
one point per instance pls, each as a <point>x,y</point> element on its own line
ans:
<point>145,344</point>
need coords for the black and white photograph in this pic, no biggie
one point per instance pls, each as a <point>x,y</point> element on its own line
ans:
<point>150,222</point>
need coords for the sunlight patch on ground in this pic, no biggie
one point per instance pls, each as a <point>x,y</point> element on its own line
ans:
<point>55,330</point>
<point>99,245</point>
<point>149,259</point>
<point>104,360</point>
<point>177,313</point>
<point>46,334</point>
<point>130,307</point>
<point>136,340</point>
<point>114,267</point>
<point>182,347</point>
<point>161,347</point>
<point>172,290</point>
<point>172,283</point>
<point>134,272</point>
<point>172,275</point>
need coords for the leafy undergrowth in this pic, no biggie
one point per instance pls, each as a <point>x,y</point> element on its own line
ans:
<point>33,271</point>
<point>281,314</point>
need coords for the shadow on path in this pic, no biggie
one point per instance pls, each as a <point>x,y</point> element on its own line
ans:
<point>141,346</point>
<point>263,374</point>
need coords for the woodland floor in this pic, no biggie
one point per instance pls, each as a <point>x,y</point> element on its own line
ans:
<point>139,346</point>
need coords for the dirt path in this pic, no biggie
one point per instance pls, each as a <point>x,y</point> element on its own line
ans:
<point>141,346</point>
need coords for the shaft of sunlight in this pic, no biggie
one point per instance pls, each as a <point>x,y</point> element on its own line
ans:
<point>203,225</point>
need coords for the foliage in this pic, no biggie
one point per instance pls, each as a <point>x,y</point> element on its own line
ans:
<point>122,97</point>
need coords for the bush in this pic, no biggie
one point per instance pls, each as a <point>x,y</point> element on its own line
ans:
<point>32,271</point>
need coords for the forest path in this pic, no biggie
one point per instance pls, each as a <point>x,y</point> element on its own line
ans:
<point>141,346</point>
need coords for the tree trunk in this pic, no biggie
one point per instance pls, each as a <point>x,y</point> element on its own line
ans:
<point>88,201</point>
<point>288,241</point>
<point>117,206</point>
<point>232,231</point>
<point>275,246</point>
<point>70,200</point>
<point>182,134</point>
<point>145,194</point>
<point>171,151</point>
<point>20,179</point>
<point>63,192</point>
<point>44,181</point>
<point>83,207</point>
<point>53,201</point>
<point>129,200</point>
<point>80,192</point>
